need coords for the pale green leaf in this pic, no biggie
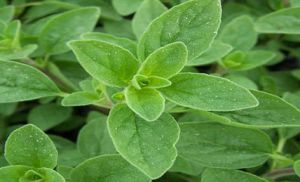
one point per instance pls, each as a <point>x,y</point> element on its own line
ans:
<point>142,81</point>
<point>216,51</point>
<point>146,102</point>
<point>216,175</point>
<point>13,173</point>
<point>297,167</point>
<point>194,23</point>
<point>48,116</point>
<point>82,98</point>
<point>93,139</point>
<point>221,146</point>
<point>119,41</point>
<point>241,61</point>
<point>19,82</point>
<point>126,7</point>
<point>105,62</point>
<point>67,26</point>
<point>206,92</point>
<point>29,146</point>
<point>284,21</point>
<point>150,146</point>
<point>42,174</point>
<point>148,11</point>
<point>272,112</point>
<point>107,168</point>
<point>166,61</point>
<point>240,33</point>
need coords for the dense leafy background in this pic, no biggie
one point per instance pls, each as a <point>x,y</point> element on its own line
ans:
<point>150,90</point>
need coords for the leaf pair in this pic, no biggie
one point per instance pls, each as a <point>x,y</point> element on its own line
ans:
<point>31,155</point>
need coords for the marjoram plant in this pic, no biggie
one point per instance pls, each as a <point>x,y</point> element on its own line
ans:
<point>150,90</point>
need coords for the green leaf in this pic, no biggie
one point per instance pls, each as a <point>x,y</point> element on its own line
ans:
<point>42,174</point>
<point>209,93</point>
<point>142,81</point>
<point>146,13</point>
<point>105,62</point>
<point>65,27</point>
<point>241,61</point>
<point>17,53</point>
<point>19,82</point>
<point>119,41</point>
<point>94,140</point>
<point>150,146</point>
<point>285,21</point>
<point>29,146</point>
<point>216,51</point>
<point>146,102</point>
<point>126,7</point>
<point>194,23</point>
<point>7,13</point>
<point>220,146</point>
<point>240,33</point>
<point>272,112</point>
<point>103,169</point>
<point>166,61</point>
<point>48,116</point>
<point>297,167</point>
<point>242,80</point>
<point>187,167</point>
<point>12,173</point>
<point>80,99</point>
<point>214,175</point>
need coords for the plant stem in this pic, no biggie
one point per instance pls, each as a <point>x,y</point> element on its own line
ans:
<point>278,173</point>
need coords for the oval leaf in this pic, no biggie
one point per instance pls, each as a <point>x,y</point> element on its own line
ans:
<point>106,62</point>
<point>146,102</point>
<point>220,146</point>
<point>209,93</point>
<point>166,61</point>
<point>67,26</point>
<point>195,23</point>
<point>19,82</point>
<point>150,146</point>
<point>272,112</point>
<point>29,146</point>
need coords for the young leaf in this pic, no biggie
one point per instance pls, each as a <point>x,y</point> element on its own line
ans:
<point>148,11</point>
<point>240,33</point>
<point>19,82</point>
<point>146,102</point>
<point>150,146</point>
<point>103,169</point>
<point>142,81</point>
<point>216,51</point>
<point>29,146</point>
<point>44,174</point>
<point>214,175</point>
<point>13,173</point>
<point>126,7</point>
<point>220,146</point>
<point>206,92</point>
<point>48,116</point>
<point>272,112</point>
<point>195,23</point>
<point>241,61</point>
<point>65,27</point>
<point>122,42</point>
<point>93,139</point>
<point>166,61</point>
<point>80,99</point>
<point>106,62</point>
<point>284,21</point>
